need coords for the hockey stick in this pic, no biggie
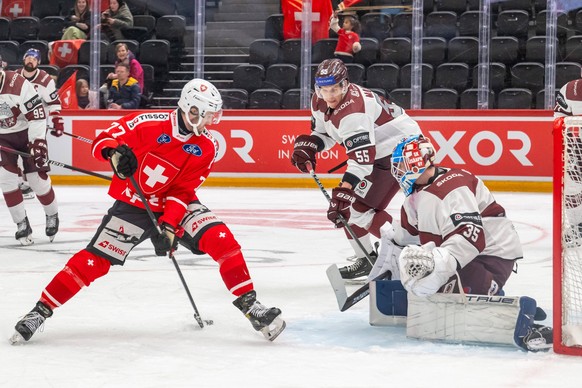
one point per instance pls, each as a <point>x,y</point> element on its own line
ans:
<point>341,218</point>
<point>86,140</point>
<point>55,163</point>
<point>338,284</point>
<point>159,230</point>
<point>338,167</point>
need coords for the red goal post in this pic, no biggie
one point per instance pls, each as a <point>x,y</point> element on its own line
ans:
<point>567,223</point>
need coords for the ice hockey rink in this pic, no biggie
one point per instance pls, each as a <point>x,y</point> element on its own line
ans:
<point>135,327</point>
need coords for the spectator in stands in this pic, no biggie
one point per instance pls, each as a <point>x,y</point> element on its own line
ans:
<point>78,22</point>
<point>115,19</point>
<point>82,89</point>
<point>348,42</point>
<point>126,56</point>
<point>124,92</point>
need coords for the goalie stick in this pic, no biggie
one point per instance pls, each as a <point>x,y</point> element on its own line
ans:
<point>338,284</point>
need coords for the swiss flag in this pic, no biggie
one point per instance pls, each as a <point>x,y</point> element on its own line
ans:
<point>68,93</point>
<point>321,11</point>
<point>64,52</point>
<point>15,8</point>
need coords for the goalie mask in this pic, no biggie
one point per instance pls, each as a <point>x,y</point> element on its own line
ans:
<point>410,158</point>
<point>203,96</point>
<point>331,72</point>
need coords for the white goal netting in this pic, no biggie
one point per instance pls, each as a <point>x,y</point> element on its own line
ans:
<point>571,234</point>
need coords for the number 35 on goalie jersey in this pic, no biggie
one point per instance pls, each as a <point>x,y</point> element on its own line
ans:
<point>459,213</point>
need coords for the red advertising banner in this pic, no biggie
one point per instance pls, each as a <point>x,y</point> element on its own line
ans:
<point>496,145</point>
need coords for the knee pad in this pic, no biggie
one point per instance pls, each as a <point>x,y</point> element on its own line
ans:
<point>39,182</point>
<point>8,180</point>
<point>85,267</point>
<point>196,223</point>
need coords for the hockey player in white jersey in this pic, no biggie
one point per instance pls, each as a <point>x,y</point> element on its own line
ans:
<point>46,88</point>
<point>368,126</point>
<point>464,240</point>
<point>23,128</point>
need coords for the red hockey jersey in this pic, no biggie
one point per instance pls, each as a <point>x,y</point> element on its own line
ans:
<point>171,166</point>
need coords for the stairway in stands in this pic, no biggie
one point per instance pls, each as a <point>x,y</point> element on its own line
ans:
<point>230,29</point>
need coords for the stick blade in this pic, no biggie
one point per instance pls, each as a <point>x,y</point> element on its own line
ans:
<point>337,284</point>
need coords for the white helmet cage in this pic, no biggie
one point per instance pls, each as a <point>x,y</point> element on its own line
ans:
<point>202,95</point>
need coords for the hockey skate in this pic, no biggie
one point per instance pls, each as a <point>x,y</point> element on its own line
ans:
<point>24,232</point>
<point>52,226</point>
<point>31,322</point>
<point>539,338</point>
<point>264,319</point>
<point>26,191</point>
<point>361,267</point>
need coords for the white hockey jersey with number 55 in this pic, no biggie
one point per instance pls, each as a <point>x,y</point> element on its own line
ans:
<point>366,124</point>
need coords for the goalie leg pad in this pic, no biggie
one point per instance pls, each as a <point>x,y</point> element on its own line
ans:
<point>475,319</point>
<point>388,303</point>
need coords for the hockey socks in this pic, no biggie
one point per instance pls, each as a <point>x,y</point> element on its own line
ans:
<point>81,270</point>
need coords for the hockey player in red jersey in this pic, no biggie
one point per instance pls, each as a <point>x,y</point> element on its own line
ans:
<point>171,154</point>
<point>23,126</point>
<point>47,91</point>
<point>368,126</point>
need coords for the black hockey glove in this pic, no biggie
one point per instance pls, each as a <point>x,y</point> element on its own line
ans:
<point>341,202</point>
<point>166,241</point>
<point>123,161</point>
<point>304,151</point>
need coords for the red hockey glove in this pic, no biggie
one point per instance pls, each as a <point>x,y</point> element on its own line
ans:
<point>123,161</point>
<point>342,199</point>
<point>304,151</point>
<point>58,124</point>
<point>38,150</point>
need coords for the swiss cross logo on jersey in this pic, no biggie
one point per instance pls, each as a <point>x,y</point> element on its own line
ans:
<point>156,173</point>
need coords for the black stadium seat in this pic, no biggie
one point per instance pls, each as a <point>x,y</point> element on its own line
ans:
<point>265,99</point>
<point>281,76</point>
<point>515,98</point>
<point>9,52</point>
<point>264,52</point>
<point>234,98</point>
<point>24,28</point>
<point>440,98</point>
<point>248,76</point>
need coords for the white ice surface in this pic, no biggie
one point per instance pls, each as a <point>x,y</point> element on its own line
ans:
<point>135,327</point>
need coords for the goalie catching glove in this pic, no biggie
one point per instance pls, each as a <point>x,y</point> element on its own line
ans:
<point>122,160</point>
<point>166,241</point>
<point>425,269</point>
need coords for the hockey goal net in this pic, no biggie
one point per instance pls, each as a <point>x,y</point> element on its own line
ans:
<point>568,237</point>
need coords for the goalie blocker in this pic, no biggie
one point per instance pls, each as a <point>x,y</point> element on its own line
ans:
<point>460,318</point>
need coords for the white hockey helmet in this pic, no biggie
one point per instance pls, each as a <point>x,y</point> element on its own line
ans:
<point>204,96</point>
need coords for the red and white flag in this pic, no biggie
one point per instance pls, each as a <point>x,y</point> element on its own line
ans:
<point>68,93</point>
<point>321,11</point>
<point>64,52</point>
<point>15,8</point>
